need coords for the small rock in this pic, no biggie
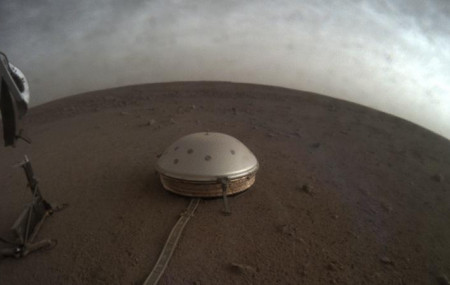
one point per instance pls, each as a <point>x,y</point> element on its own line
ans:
<point>124,113</point>
<point>193,107</point>
<point>302,241</point>
<point>315,145</point>
<point>438,177</point>
<point>307,189</point>
<point>270,135</point>
<point>386,260</point>
<point>355,236</point>
<point>130,254</point>
<point>386,207</point>
<point>173,121</point>
<point>443,280</point>
<point>234,110</point>
<point>331,267</point>
<point>287,230</point>
<point>243,268</point>
<point>151,122</point>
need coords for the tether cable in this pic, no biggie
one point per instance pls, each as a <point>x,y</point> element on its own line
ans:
<point>171,243</point>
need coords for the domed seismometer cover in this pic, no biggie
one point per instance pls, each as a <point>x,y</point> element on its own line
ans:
<point>192,165</point>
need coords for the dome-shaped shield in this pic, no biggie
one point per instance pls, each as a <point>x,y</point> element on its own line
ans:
<point>195,164</point>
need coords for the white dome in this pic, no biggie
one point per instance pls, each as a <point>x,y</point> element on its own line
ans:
<point>206,157</point>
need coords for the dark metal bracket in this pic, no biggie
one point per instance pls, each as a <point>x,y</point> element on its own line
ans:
<point>27,226</point>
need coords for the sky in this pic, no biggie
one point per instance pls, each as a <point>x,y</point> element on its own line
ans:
<point>392,56</point>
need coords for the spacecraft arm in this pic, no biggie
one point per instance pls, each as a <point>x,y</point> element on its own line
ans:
<point>9,117</point>
<point>14,97</point>
<point>6,74</point>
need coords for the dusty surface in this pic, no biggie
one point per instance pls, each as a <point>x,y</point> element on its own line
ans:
<point>345,194</point>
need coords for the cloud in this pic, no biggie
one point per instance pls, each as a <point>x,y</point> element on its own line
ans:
<point>392,56</point>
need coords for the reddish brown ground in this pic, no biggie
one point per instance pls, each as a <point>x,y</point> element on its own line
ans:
<point>375,214</point>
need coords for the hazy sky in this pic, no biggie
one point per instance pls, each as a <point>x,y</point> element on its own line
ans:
<point>390,55</point>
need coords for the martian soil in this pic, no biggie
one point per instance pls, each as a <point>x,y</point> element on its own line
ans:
<point>344,195</point>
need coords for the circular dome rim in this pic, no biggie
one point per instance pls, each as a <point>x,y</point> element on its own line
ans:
<point>205,178</point>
